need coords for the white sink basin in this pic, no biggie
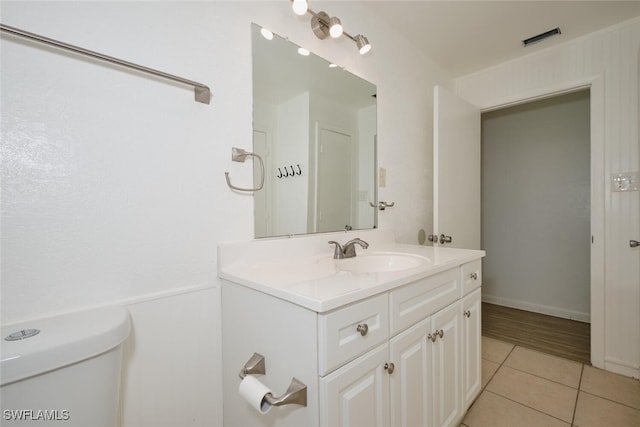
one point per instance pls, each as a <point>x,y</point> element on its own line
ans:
<point>380,262</point>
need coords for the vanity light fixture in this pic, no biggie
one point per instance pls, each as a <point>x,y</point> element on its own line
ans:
<point>324,26</point>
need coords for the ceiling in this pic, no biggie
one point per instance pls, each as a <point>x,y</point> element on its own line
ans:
<point>466,36</point>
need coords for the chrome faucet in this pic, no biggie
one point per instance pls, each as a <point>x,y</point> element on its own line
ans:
<point>349,248</point>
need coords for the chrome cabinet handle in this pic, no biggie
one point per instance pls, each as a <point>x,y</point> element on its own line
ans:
<point>474,276</point>
<point>363,329</point>
<point>634,243</point>
<point>433,337</point>
<point>467,313</point>
<point>389,367</point>
<point>445,239</point>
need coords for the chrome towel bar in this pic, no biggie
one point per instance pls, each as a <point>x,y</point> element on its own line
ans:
<point>201,91</point>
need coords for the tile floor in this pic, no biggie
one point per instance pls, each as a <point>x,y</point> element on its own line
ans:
<point>523,387</point>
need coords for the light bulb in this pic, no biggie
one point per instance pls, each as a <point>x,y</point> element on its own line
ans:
<point>304,52</point>
<point>335,27</point>
<point>266,34</point>
<point>300,7</point>
<point>362,43</point>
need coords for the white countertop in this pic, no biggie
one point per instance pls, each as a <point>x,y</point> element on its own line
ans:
<point>302,270</point>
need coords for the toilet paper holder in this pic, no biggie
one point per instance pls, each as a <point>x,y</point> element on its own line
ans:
<point>296,393</point>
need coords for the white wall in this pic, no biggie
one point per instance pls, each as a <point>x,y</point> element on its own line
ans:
<point>113,184</point>
<point>607,59</point>
<point>536,206</point>
<point>291,147</point>
<point>366,156</point>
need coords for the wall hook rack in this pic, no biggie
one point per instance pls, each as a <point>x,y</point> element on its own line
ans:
<point>288,174</point>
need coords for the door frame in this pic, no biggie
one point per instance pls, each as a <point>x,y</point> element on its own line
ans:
<point>596,86</point>
<point>313,193</point>
<point>269,187</point>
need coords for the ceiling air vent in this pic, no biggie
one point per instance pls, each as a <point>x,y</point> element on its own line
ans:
<point>540,37</point>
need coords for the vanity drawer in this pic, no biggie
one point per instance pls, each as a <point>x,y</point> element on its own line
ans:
<point>351,331</point>
<point>411,303</point>
<point>471,276</point>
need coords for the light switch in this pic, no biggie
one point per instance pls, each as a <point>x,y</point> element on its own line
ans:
<point>382,177</point>
<point>626,181</point>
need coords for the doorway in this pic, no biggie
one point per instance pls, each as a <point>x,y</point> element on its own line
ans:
<point>536,208</point>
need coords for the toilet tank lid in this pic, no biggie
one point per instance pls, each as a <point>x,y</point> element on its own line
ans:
<point>62,340</point>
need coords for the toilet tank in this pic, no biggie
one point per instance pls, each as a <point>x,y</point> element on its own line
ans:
<point>66,374</point>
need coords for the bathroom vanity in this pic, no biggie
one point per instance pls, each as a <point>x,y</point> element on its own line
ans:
<point>389,337</point>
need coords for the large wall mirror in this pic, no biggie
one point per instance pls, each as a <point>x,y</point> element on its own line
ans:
<point>314,124</point>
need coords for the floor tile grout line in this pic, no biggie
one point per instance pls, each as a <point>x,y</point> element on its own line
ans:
<point>522,404</point>
<point>575,406</point>
<point>545,378</point>
<point>610,400</point>
<point>498,368</point>
<point>527,406</point>
<point>532,348</point>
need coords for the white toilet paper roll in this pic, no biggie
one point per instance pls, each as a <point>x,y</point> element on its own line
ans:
<point>253,392</point>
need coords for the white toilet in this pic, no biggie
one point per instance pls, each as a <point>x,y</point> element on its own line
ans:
<point>67,373</point>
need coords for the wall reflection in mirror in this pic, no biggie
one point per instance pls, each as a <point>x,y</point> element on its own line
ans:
<point>314,124</point>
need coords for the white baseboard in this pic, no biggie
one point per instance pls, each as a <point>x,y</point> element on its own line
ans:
<point>617,366</point>
<point>538,308</point>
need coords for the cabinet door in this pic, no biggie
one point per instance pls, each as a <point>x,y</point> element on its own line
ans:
<point>410,380</point>
<point>471,276</point>
<point>447,366</point>
<point>471,347</point>
<point>357,394</point>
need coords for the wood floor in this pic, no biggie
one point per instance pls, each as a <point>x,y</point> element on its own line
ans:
<point>552,335</point>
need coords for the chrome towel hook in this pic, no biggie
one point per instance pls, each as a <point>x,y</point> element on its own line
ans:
<point>240,155</point>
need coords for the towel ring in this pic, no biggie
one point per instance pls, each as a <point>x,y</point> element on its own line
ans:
<point>240,155</point>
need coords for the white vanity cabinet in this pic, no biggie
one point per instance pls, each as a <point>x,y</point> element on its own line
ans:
<point>434,350</point>
<point>406,356</point>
